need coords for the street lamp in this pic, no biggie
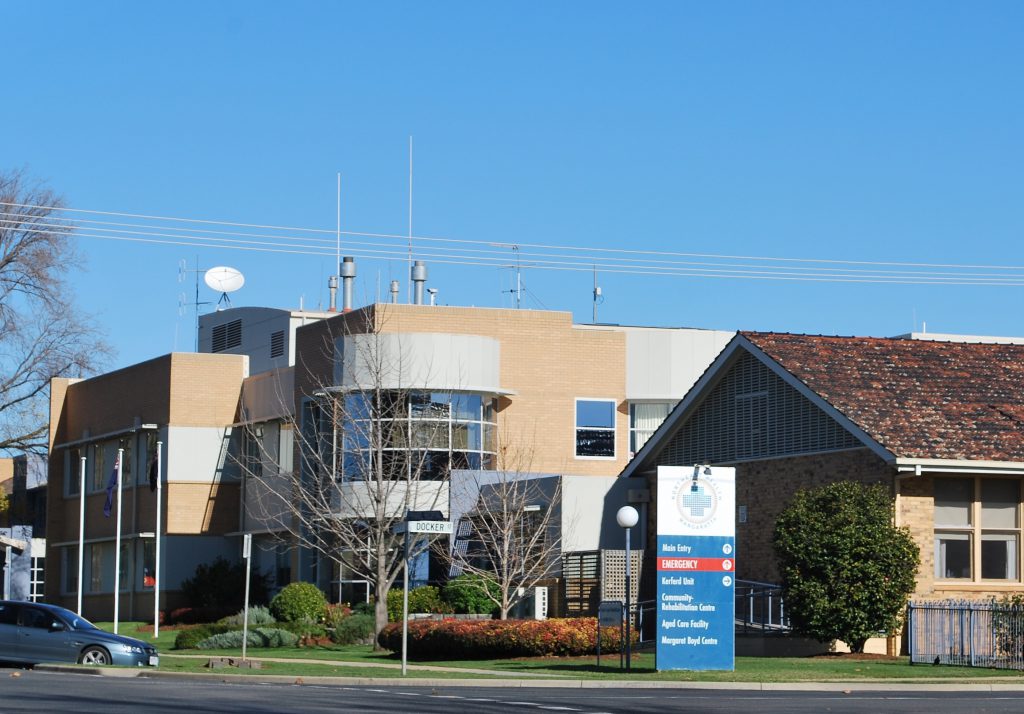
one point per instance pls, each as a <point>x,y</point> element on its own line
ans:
<point>627,517</point>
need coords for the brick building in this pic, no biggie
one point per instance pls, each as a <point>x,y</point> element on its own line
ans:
<point>938,422</point>
<point>583,397</point>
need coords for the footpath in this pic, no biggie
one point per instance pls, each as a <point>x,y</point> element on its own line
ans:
<point>490,678</point>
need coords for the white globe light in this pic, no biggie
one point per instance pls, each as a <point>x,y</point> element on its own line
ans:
<point>627,517</point>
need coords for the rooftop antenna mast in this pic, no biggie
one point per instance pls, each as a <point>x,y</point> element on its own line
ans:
<point>598,297</point>
<point>184,270</point>
<point>519,278</point>
<point>409,285</point>
<point>518,289</point>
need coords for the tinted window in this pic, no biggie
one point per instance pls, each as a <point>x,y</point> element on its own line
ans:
<point>8,614</point>
<point>31,617</point>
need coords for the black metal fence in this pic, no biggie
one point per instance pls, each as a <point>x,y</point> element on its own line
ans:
<point>966,633</point>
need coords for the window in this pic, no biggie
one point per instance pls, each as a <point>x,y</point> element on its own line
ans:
<point>253,440</point>
<point>644,420</point>
<point>977,529</point>
<point>73,471</point>
<point>595,428</point>
<point>99,478</point>
<point>149,563</point>
<point>426,433</point>
<point>148,470</point>
<point>69,569</point>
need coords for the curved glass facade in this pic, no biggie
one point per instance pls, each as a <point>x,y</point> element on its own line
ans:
<point>422,433</point>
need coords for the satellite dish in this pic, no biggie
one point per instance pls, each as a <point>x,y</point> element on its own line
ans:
<point>224,279</point>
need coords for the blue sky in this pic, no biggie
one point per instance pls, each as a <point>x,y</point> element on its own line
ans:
<point>873,131</point>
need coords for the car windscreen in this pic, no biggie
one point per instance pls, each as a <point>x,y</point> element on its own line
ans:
<point>76,621</point>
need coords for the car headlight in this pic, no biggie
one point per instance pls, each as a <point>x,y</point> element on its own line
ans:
<point>131,649</point>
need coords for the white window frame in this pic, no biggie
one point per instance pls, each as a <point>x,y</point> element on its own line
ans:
<point>613,429</point>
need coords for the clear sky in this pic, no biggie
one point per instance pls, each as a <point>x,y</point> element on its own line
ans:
<point>878,132</point>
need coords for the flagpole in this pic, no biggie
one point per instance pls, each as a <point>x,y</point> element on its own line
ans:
<point>117,546</point>
<point>81,529</point>
<point>156,565</point>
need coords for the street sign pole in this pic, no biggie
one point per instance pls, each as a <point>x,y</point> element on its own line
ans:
<point>421,522</point>
<point>405,603</point>
<point>247,554</point>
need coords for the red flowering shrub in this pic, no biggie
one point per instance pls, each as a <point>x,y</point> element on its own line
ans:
<point>475,639</point>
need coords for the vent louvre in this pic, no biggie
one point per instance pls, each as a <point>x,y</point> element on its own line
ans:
<point>753,414</point>
<point>277,344</point>
<point>226,336</point>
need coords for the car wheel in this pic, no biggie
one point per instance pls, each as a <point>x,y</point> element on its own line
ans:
<point>94,655</point>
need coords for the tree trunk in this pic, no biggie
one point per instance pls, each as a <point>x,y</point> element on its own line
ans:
<point>380,616</point>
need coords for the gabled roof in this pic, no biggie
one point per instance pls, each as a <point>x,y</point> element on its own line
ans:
<point>909,400</point>
<point>917,398</point>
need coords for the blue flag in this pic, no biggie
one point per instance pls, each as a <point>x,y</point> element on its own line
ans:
<point>108,505</point>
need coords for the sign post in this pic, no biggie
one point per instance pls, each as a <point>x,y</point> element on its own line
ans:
<point>247,554</point>
<point>696,568</point>
<point>419,522</point>
<point>609,614</point>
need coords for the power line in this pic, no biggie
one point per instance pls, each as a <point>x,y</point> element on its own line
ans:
<point>485,254</point>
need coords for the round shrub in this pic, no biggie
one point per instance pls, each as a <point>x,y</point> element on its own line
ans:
<point>258,615</point>
<point>471,594</point>
<point>298,601</point>
<point>260,637</point>
<point>190,638</point>
<point>422,599</point>
<point>353,630</point>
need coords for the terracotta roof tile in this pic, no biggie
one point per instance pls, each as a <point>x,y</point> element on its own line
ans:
<point>917,398</point>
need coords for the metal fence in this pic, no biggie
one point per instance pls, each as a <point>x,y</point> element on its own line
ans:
<point>760,608</point>
<point>966,633</point>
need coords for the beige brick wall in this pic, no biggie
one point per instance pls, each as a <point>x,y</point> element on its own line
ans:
<point>545,360</point>
<point>194,390</point>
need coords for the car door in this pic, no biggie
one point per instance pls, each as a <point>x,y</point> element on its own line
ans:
<point>43,637</point>
<point>9,631</point>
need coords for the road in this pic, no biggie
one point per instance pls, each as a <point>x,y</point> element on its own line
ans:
<point>36,691</point>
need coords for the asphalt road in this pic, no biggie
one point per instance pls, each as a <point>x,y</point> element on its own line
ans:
<point>37,691</point>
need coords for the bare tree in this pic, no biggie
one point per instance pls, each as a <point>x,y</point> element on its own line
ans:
<point>42,336</point>
<point>511,533</point>
<point>370,448</point>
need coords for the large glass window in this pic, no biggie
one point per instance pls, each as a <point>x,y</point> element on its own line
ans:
<point>977,529</point>
<point>422,433</point>
<point>595,428</point>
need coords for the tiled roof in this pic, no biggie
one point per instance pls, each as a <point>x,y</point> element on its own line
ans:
<point>917,398</point>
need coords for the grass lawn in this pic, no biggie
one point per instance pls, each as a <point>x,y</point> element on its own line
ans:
<point>748,669</point>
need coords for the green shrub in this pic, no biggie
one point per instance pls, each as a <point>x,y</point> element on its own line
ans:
<point>847,571</point>
<point>334,615</point>
<point>354,629</point>
<point>426,598</point>
<point>258,616</point>
<point>479,639</point>
<point>303,628</point>
<point>298,601</point>
<point>190,638</point>
<point>469,594</point>
<point>259,637</point>
<point>363,608</point>
<point>220,586</point>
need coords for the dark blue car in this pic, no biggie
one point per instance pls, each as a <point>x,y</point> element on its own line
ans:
<point>32,632</point>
